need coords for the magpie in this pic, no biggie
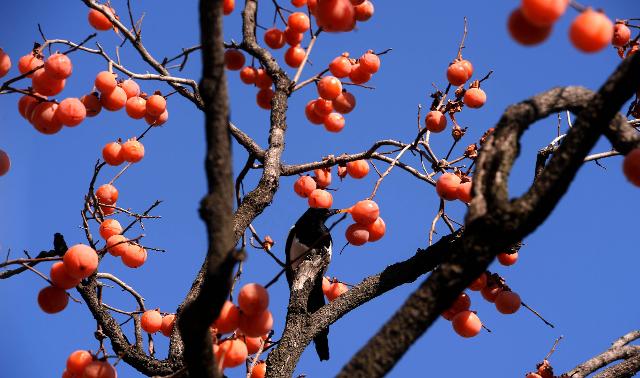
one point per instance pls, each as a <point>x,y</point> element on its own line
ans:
<point>310,239</point>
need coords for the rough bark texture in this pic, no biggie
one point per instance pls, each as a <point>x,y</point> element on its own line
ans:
<point>216,209</point>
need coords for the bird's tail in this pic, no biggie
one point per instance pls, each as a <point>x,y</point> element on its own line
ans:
<point>322,344</point>
<point>316,300</point>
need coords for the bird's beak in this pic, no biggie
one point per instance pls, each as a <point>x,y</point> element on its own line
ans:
<point>338,211</point>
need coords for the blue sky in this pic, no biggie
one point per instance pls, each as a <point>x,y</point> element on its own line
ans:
<point>577,269</point>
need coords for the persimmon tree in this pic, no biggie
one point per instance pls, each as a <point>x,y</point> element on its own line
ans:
<point>212,329</point>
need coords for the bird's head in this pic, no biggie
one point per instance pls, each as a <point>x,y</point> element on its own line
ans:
<point>317,215</point>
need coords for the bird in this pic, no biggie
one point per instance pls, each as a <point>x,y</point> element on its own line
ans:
<point>310,238</point>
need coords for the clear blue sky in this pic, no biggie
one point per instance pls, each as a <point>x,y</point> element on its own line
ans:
<point>578,269</point>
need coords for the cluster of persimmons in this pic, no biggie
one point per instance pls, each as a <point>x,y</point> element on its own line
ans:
<point>245,329</point>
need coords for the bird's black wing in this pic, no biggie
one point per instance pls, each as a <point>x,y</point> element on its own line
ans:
<point>287,249</point>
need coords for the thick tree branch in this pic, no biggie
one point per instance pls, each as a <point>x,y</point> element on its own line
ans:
<point>202,307</point>
<point>619,350</point>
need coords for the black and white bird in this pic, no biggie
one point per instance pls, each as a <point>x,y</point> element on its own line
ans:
<point>310,239</point>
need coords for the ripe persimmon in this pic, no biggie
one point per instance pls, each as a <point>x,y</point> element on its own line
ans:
<point>464,192</point>
<point>274,38</point>
<point>299,22</point>
<point>369,62</point>
<point>326,284</point>
<point>490,292</point>
<point>114,100</point>
<point>294,56</point>
<point>105,81</point>
<point>131,88</point>
<point>27,102</point>
<point>61,278</point>
<point>253,299</point>
<point>28,63</point>
<point>264,97</point>
<point>233,59</point>
<point>263,80</point>
<point>107,194</point>
<point>543,12</point>
<point>358,168</point>
<point>591,31</point>
<point>479,283</point>
<point>228,319</point>
<point>151,321</point>
<point>228,6</point>
<point>58,66</point>
<point>5,63</point>
<point>311,114</point>
<point>357,234</point>
<point>376,230</point>
<point>359,75</point>
<point>117,245</point>
<point>100,369</point>
<point>467,66</point>
<point>320,198</point>
<point>344,103</point>
<point>457,73</point>
<point>508,302</point>
<point>447,186</point>
<point>334,122</point>
<point>462,303</point>
<point>259,370</point>
<point>110,227</point>
<point>466,324</point>
<point>111,154</point>
<point>322,176</point>
<point>364,11</point>
<point>168,322</point>
<point>340,66</point>
<point>292,37</point>
<point>44,118</point>
<point>157,121</point>
<point>156,105</point>
<point>253,343</point>
<point>98,20</point>
<point>92,104</point>
<point>248,74</point>
<point>80,261</point>
<point>5,163</point>
<point>621,34</point>
<point>71,111</point>
<point>335,15</point>
<point>132,151</point>
<point>136,107</point>
<point>631,166</point>
<point>134,256</point>
<point>474,98</point>
<point>335,290</point>
<point>256,325</point>
<point>304,185</point>
<point>45,84</point>
<point>323,107</point>
<point>232,353</point>
<point>329,87</point>
<point>508,259</point>
<point>298,3</point>
<point>52,299</point>
<point>435,121</point>
<point>78,361</point>
<point>365,212</point>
